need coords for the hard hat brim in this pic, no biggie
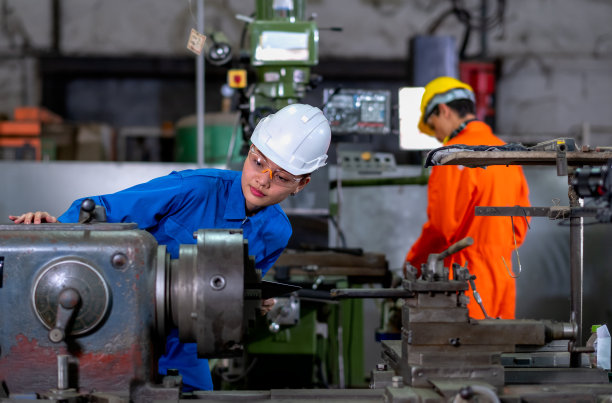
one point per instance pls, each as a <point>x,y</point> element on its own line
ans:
<point>425,129</point>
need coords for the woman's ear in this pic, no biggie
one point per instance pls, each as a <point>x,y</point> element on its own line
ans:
<point>305,180</point>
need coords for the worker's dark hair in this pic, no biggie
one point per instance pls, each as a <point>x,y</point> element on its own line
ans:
<point>463,107</point>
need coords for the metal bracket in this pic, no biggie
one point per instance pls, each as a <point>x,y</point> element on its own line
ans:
<point>561,158</point>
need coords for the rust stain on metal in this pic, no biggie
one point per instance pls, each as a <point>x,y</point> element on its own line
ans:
<point>29,366</point>
<point>101,366</point>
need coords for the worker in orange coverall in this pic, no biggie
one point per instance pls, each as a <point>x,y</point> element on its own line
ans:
<point>447,112</point>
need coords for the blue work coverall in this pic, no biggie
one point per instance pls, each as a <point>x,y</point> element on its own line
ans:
<point>175,206</point>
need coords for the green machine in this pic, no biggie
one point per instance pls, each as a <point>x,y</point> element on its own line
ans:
<point>309,339</point>
<point>283,46</point>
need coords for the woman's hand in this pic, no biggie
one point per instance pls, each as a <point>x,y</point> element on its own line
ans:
<point>38,217</point>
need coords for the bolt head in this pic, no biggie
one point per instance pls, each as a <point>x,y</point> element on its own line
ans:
<point>119,260</point>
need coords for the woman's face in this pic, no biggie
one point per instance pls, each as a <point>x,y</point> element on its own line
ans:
<point>264,183</point>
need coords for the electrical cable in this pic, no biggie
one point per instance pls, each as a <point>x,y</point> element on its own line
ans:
<point>488,22</point>
<point>465,17</point>
<point>339,233</point>
<point>241,376</point>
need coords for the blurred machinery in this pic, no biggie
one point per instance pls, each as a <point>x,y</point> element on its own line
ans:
<point>283,45</point>
<point>358,111</point>
<point>594,184</point>
<point>482,77</point>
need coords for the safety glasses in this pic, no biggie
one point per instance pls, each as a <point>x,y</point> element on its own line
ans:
<point>278,176</point>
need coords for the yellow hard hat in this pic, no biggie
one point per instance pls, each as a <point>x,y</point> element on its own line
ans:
<point>441,90</point>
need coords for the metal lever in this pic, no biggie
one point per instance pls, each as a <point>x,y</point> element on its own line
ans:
<point>90,213</point>
<point>68,300</point>
<point>456,247</point>
<point>435,261</point>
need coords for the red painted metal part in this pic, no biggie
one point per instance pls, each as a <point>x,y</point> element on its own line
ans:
<point>29,363</point>
<point>481,76</point>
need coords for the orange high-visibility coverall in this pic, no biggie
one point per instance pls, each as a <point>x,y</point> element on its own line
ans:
<point>453,193</point>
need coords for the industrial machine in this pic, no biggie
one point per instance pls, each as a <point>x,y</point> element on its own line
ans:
<point>311,340</point>
<point>85,308</point>
<point>445,355</point>
<point>283,45</point>
<point>358,111</point>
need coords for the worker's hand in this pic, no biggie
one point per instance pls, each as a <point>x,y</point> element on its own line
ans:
<point>33,218</point>
<point>266,305</point>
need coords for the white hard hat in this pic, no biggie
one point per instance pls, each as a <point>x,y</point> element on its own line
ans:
<point>295,138</point>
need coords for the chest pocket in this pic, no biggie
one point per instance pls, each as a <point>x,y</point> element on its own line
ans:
<point>172,234</point>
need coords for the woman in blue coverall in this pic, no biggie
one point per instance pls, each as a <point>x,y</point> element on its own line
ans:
<point>286,148</point>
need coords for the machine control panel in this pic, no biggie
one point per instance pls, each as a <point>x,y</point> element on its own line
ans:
<point>358,111</point>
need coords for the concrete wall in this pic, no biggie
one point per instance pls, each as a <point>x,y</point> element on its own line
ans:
<point>555,55</point>
<point>561,28</point>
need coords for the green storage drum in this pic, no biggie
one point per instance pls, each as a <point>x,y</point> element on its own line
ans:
<point>219,127</point>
